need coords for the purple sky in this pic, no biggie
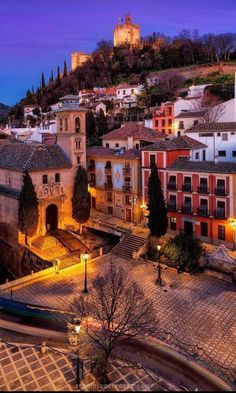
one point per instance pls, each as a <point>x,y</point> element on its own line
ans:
<point>37,35</point>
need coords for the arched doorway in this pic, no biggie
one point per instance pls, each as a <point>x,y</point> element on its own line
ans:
<point>51,217</point>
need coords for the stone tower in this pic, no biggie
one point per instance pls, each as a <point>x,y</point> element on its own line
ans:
<point>127,33</point>
<point>71,130</point>
<point>78,59</point>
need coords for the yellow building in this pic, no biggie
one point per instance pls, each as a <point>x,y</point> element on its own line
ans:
<point>127,32</point>
<point>78,59</point>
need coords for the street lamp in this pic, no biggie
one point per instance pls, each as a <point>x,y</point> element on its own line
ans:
<point>233,224</point>
<point>73,335</point>
<point>85,257</point>
<point>159,280</point>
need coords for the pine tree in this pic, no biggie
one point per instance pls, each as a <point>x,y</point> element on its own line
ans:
<point>90,124</point>
<point>28,212</point>
<point>102,123</point>
<point>81,197</point>
<point>157,218</point>
<point>43,84</point>
<point>65,72</point>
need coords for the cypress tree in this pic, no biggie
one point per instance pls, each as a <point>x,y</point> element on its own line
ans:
<point>51,80</point>
<point>65,72</point>
<point>102,123</point>
<point>28,213</point>
<point>81,202</point>
<point>58,80</point>
<point>90,124</point>
<point>157,218</point>
<point>43,84</point>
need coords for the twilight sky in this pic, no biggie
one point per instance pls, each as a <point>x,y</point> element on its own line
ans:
<point>38,35</point>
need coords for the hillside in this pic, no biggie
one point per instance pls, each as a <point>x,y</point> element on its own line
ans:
<point>4,110</point>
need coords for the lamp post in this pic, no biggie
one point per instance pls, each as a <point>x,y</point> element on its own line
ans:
<point>233,224</point>
<point>159,279</point>
<point>73,333</point>
<point>85,258</point>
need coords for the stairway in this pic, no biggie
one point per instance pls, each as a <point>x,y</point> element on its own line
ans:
<point>44,242</point>
<point>128,245</point>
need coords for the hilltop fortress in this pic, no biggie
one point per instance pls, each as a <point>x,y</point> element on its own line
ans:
<point>124,33</point>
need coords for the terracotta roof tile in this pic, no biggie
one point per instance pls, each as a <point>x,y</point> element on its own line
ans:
<point>213,127</point>
<point>137,130</point>
<point>190,114</point>
<point>184,164</point>
<point>181,142</point>
<point>100,151</point>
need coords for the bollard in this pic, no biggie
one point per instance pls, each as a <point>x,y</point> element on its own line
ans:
<point>32,272</point>
<point>43,348</point>
<point>101,251</point>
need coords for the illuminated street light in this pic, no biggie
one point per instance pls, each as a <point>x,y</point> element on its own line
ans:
<point>85,257</point>
<point>159,280</point>
<point>233,224</point>
<point>73,336</point>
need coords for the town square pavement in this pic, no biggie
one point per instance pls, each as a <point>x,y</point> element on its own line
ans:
<point>196,313</point>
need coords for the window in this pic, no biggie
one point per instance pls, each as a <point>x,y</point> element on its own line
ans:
<point>220,184</point>
<point>196,156</point>
<point>137,146</point>
<point>57,177</point>
<point>205,134</point>
<point>232,133</point>
<point>61,125</point>
<point>118,91</point>
<point>123,91</point>
<point>77,143</point>
<point>156,123</point>
<point>234,153</point>
<point>173,223</point>
<point>178,133</point>
<point>109,197</point>
<point>222,153</point>
<point>218,133</point>
<point>163,123</point>
<point>221,232</point>
<point>181,125</point>
<point>204,229</point>
<point>169,122</point>
<point>107,145</point>
<point>170,111</point>
<point>195,122</point>
<point>77,124</point>
<point>45,179</point>
<point>128,200</point>
<point>204,155</point>
<point>117,144</point>
<point>224,137</point>
<point>132,90</point>
<point>152,160</point>
<point>108,165</point>
<point>78,160</point>
<point>66,124</point>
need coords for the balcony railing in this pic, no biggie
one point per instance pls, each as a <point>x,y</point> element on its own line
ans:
<point>108,186</point>
<point>220,213</point>
<point>127,188</point>
<point>220,191</point>
<point>203,212</point>
<point>187,209</point>
<point>108,169</point>
<point>172,207</point>
<point>172,186</point>
<point>187,187</point>
<point>126,170</point>
<point>203,190</point>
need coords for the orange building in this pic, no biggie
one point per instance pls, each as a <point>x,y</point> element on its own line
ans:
<point>199,194</point>
<point>163,118</point>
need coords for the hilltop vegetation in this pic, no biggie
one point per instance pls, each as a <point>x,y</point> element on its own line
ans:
<point>110,66</point>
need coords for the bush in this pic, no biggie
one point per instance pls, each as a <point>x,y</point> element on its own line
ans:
<point>184,250</point>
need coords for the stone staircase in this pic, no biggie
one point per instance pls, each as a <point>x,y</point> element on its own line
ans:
<point>46,241</point>
<point>128,245</point>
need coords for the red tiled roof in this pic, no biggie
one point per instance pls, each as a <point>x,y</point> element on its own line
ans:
<point>184,164</point>
<point>100,151</point>
<point>213,127</point>
<point>136,130</point>
<point>179,143</point>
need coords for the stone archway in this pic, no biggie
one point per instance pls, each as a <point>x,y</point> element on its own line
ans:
<point>51,217</point>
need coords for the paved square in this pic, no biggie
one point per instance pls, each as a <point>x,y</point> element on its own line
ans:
<point>197,312</point>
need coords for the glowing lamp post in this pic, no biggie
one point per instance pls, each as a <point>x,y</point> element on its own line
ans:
<point>85,257</point>
<point>233,224</point>
<point>73,336</point>
<point>159,280</point>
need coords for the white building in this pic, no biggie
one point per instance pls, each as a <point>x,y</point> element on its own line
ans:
<point>152,79</point>
<point>28,110</point>
<point>124,91</point>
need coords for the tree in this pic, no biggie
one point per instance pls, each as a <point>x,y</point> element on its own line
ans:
<point>102,123</point>
<point>81,197</point>
<point>157,217</point>
<point>65,72</point>
<point>90,124</point>
<point>114,312</point>
<point>43,84</point>
<point>58,80</point>
<point>184,250</point>
<point>51,80</point>
<point>28,208</point>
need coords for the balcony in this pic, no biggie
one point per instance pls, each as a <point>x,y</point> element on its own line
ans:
<point>203,190</point>
<point>171,207</point>
<point>108,169</point>
<point>187,187</point>
<point>187,209</point>
<point>127,188</point>
<point>108,186</point>
<point>220,191</point>
<point>220,213</point>
<point>91,167</point>
<point>126,170</point>
<point>202,212</point>
<point>172,186</point>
